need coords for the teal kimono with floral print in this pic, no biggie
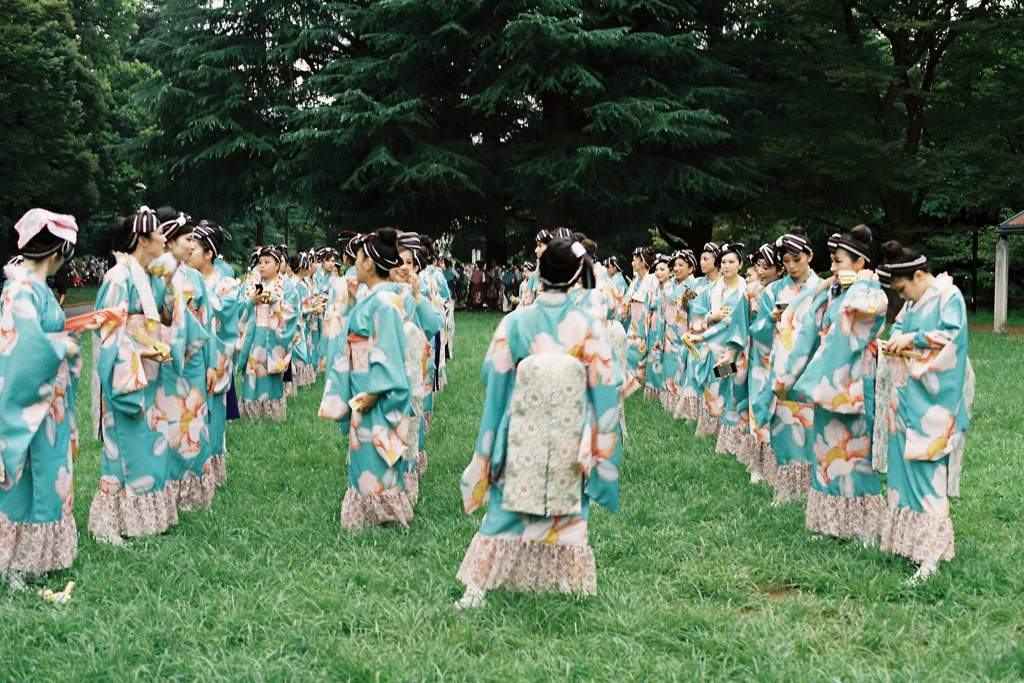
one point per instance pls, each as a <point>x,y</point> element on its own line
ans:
<point>38,434</point>
<point>554,324</point>
<point>223,292</point>
<point>372,360</point>
<point>725,398</point>
<point>839,338</point>
<point>928,414</point>
<point>267,346</point>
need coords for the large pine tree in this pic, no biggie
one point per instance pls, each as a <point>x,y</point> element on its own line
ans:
<point>610,117</point>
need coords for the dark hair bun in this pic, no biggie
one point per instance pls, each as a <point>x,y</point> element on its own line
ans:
<point>891,252</point>
<point>294,261</point>
<point>861,233</point>
<point>388,236</point>
<point>166,213</point>
<point>120,230</point>
<point>798,230</point>
<point>427,241</point>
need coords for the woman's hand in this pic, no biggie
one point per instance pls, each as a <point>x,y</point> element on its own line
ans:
<point>73,349</point>
<point>716,317</point>
<point>776,314</point>
<point>211,379</point>
<point>726,358</point>
<point>364,402</point>
<point>899,342</point>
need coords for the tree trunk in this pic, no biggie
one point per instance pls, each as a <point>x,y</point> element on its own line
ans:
<point>259,229</point>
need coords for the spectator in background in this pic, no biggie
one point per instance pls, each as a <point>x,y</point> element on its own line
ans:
<point>477,286</point>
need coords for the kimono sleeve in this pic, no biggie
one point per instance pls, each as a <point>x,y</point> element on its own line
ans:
<point>387,379</point>
<point>601,446</point>
<point>119,367</point>
<point>428,318</point>
<point>762,329</point>
<point>488,457</point>
<point>224,305</point>
<point>835,376</point>
<point>799,334</point>
<point>29,361</point>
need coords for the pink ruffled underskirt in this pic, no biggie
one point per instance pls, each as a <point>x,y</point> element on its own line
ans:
<point>275,410</point>
<point>38,548</point>
<point>220,470</point>
<point>528,567</point>
<point>708,426</point>
<point>844,517</point>
<point>790,482</point>
<point>359,509</point>
<point>113,515</point>
<point>917,536</point>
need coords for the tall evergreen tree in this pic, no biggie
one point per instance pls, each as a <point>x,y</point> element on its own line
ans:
<point>49,108</point>
<point>613,118</point>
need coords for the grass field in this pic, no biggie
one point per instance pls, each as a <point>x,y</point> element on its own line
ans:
<point>699,578</point>
<point>80,295</point>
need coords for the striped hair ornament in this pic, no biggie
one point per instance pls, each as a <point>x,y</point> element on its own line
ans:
<point>564,234</point>
<point>646,256</point>
<point>380,260</point>
<point>886,272</point>
<point>15,261</point>
<point>344,240</point>
<point>529,265</point>
<point>712,248</point>
<point>255,258</point>
<point>410,241</point>
<point>204,234</point>
<point>612,261</point>
<point>687,256</point>
<point>544,236</point>
<point>584,272</point>
<point>793,244</point>
<point>663,258</point>
<point>273,252</point>
<point>766,252</point>
<point>173,228</point>
<point>143,223</point>
<point>837,241</point>
<point>734,248</point>
<point>352,247</point>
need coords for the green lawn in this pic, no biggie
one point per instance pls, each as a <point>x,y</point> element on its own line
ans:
<point>80,295</point>
<point>699,578</point>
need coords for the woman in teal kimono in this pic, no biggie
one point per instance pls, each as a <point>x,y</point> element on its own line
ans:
<point>698,308</point>
<point>133,497</point>
<point>222,292</point>
<point>323,280</point>
<point>656,302</point>
<point>637,295</point>
<point>842,319</point>
<point>524,286</point>
<point>675,355</point>
<point>311,322</point>
<point>786,453</point>
<point>617,287</point>
<point>436,289</point>
<point>270,305</point>
<point>39,366</point>
<point>182,410</point>
<point>367,391</point>
<point>928,409</point>
<point>762,337</point>
<point>725,342</point>
<point>537,552</point>
<point>528,295</point>
<point>423,314</point>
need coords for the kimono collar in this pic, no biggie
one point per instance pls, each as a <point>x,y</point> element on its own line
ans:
<point>943,281</point>
<point>551,298</point>
<point>384,286</point>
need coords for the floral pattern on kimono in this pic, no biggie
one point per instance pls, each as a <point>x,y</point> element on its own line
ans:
<point>767,347</point>
<point>928,415</point>
<point>223,292</point>
<point>725,397</point>
<point>656,303</point>
<point>269,335</point>
<point>134,455</point>
<point>839,380</point>
<point>372,360</point>
<point>553,325</point>
<point>698,309</point>
<point>38,432</point>
<point>792,416</point>
<point>181,412</point>
<point>676,324</point>
<point>638,330</point>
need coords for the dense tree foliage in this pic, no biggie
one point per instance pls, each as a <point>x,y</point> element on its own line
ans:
<point>489,119</point>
